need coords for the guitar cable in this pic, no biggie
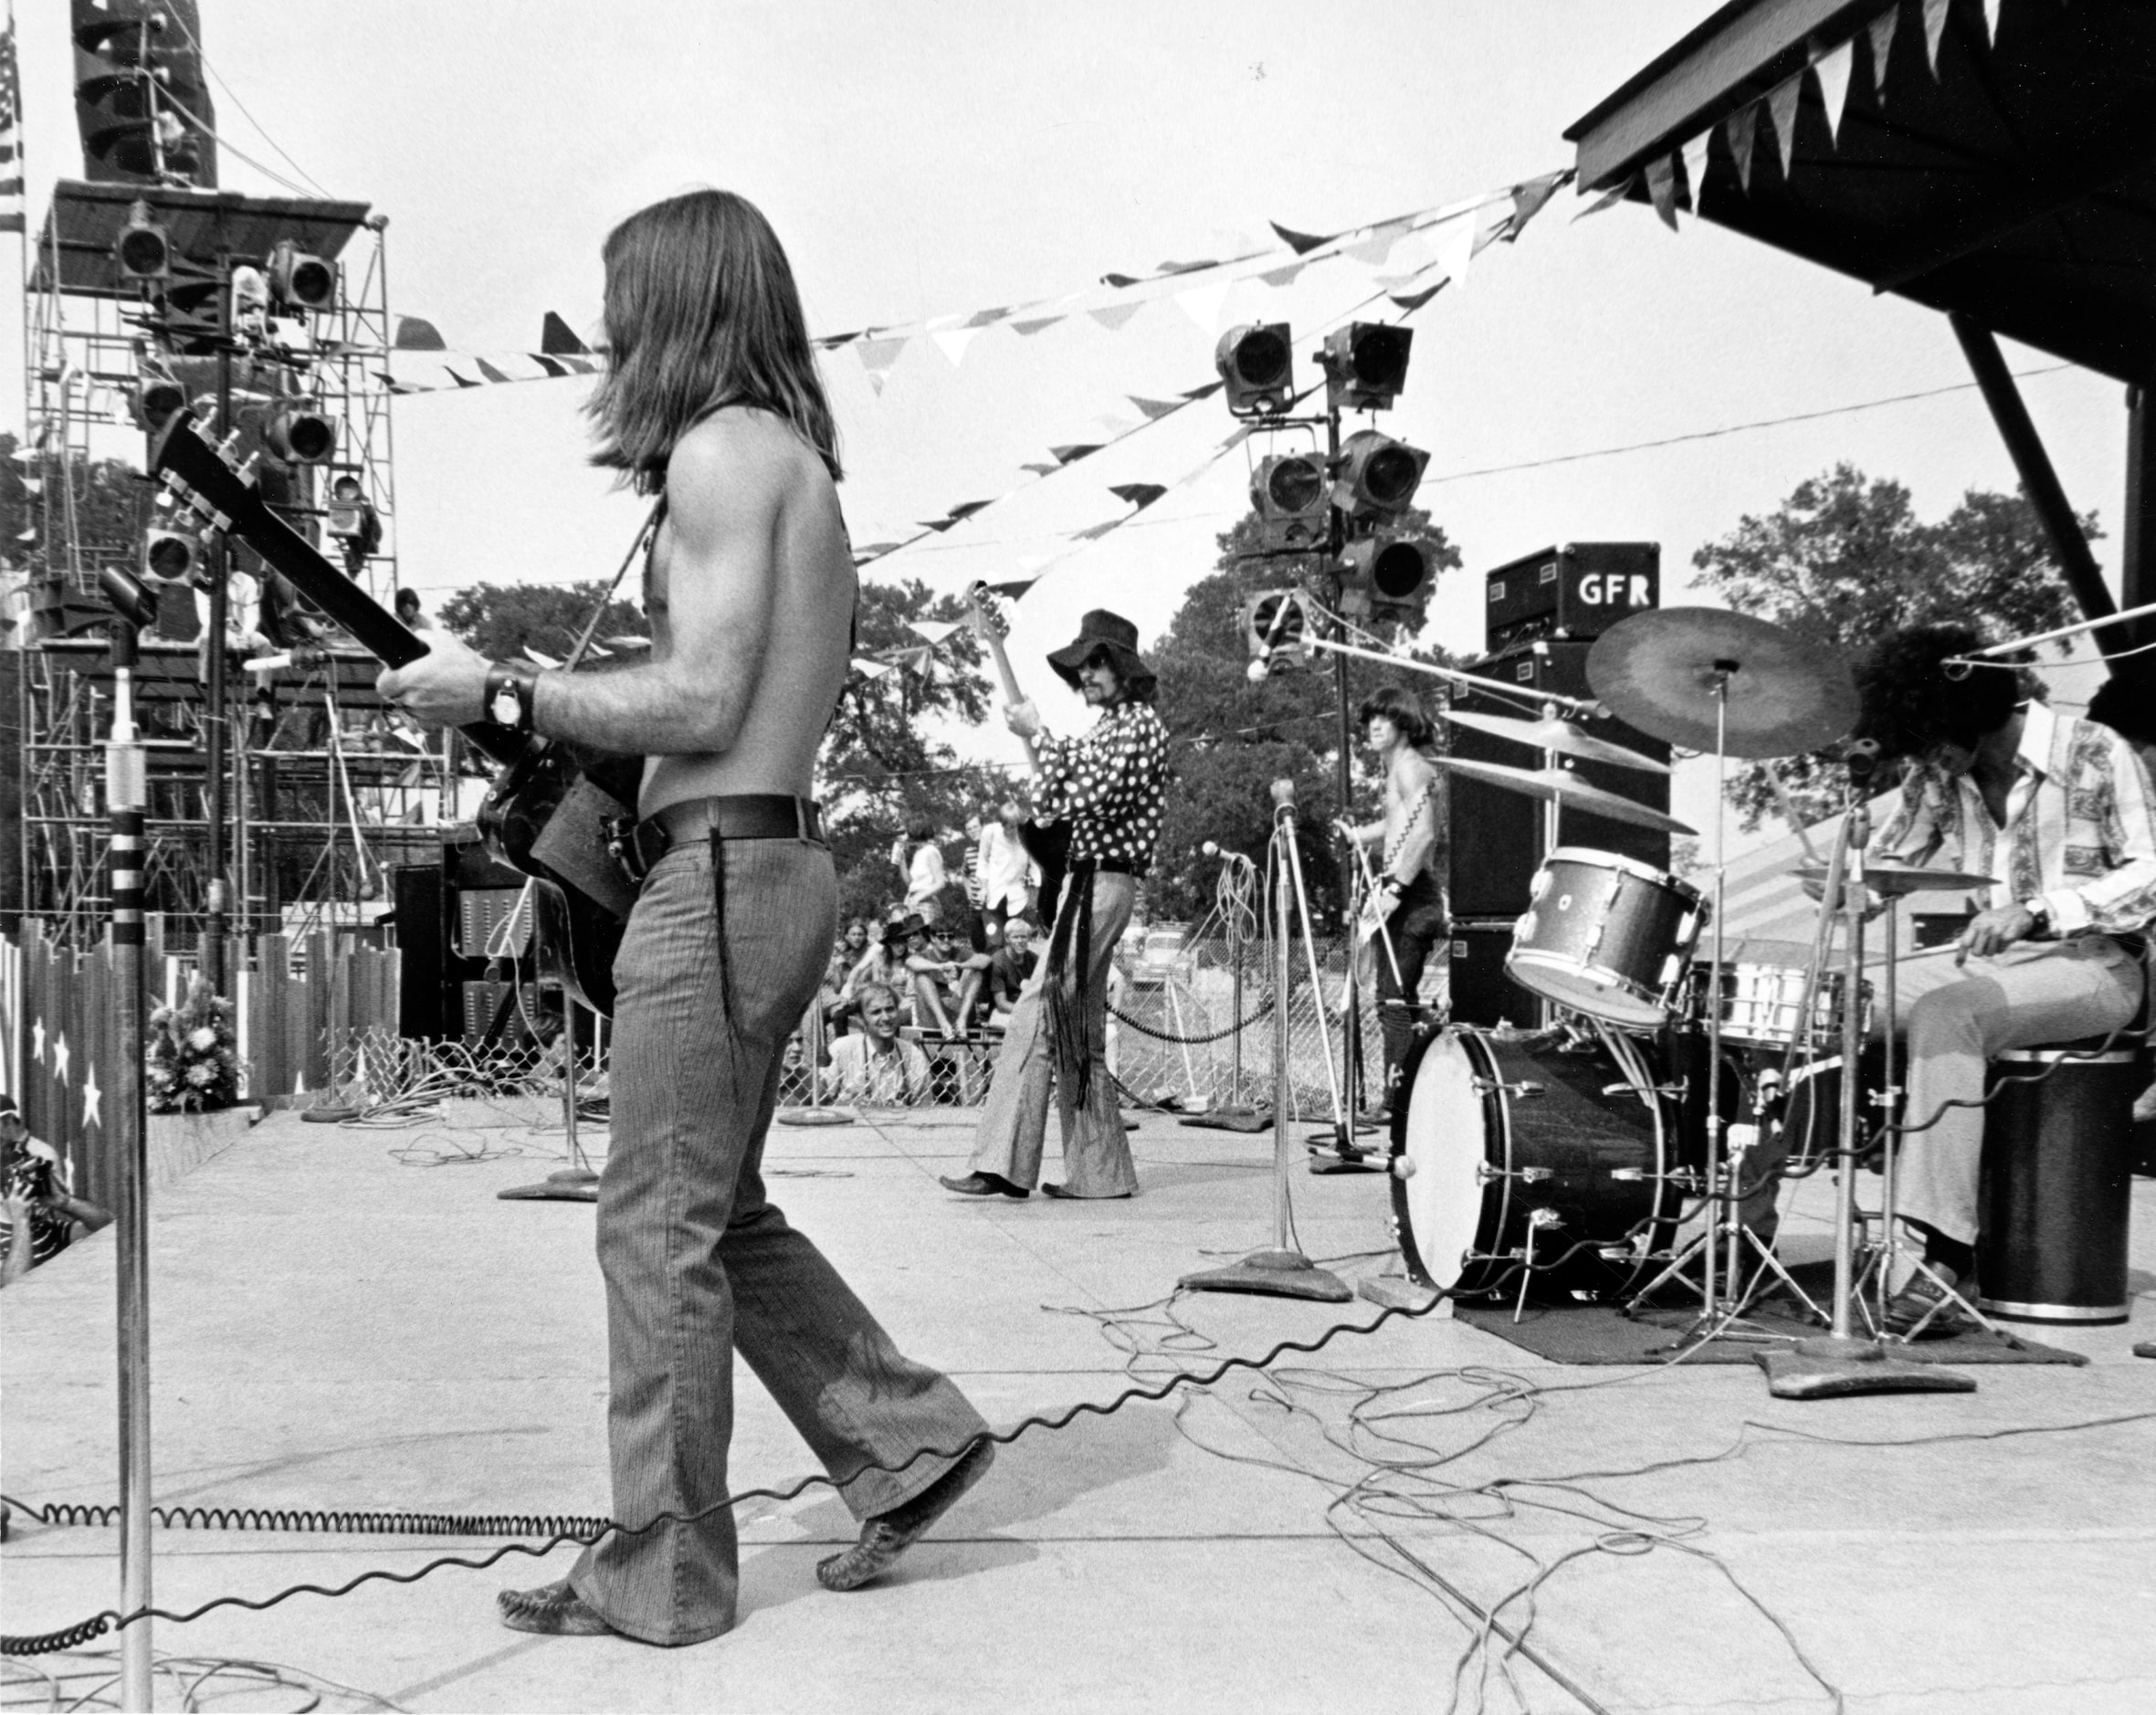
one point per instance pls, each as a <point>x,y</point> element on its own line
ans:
<point>560,1531</point>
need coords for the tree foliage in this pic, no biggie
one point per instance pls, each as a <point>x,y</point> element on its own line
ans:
<point>502,621</point>
<point>1232,738</point>
<point>66,517</point>
<point>1845,561</point>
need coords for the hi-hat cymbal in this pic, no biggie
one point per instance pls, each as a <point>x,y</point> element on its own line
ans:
<point>1661,670</point>
<point>1899,879</point>
<point>1555,785</point>
<point>1553,734</point>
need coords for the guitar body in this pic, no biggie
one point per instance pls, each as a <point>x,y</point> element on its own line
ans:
<point>1048,845</point>
<point>546,813</point>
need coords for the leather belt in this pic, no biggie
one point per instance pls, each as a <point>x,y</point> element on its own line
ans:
<point>736,815</point>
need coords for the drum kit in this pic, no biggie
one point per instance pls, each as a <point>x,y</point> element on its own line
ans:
<point>1604,1156</point>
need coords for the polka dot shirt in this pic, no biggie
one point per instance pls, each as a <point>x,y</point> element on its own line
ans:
<point>1108,784</point>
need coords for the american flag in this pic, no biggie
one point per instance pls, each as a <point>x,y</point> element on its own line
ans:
<point>11,132</point>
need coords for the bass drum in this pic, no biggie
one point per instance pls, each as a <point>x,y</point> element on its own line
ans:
<point>1506,1146</point>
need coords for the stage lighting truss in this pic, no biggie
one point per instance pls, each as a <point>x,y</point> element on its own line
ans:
<point>1277,629</point>
<point>156,400</point>
<point>1377,476</point>
<point>1257,362</point>
<point>144,251</point>
<point>1365,365</point>
<point>1288,493</point>
<point>1382,576</point>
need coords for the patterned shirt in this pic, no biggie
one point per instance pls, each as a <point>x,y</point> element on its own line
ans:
<point>898,1078</point>
<point>1108,784</point>
<point>2080,829</point>
<point>32,1178</point>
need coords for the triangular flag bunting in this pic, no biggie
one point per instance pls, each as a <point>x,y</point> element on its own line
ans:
<point>1743,127</point>
<point>1114,315</point>
<point>877,358</point>
<point>1412,302</point>
<point>1934,28</point>
<point>1140,494</point>
<point>870,669</point>
<point>1782,104</point>
<point>1206,391</point>
<point>832,342</point>
<point>1301,243</point>
<point>1036,324</point>
<point>1528,200</point>
<point>1096,532</point>
<point>1121,280</point>
<point>1071,453</point>
<point>1453,244</point>
<point>1042,470</point>
<point>491,372</point>
<point>1991,21</point>
<point>1203,304</point>
<point>1014,588</point>
<point>1608,199</point>
<point>1662,189</point>
<point>1155,409</point>
<point>1834,66</point>
<point>981,318</point>
<point>1372,250</point>
<point>1882,48</point>
<point>1695,154</point>
<point>952,342</point>
<point>966,509</point>
<point>933,630</point>
<point>1282,276</point>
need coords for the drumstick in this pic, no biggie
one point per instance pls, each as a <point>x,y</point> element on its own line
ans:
<point>1788,811</point>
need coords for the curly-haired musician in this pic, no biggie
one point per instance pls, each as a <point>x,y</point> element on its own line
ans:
<point>2061,813</point>
<point>711,400</point>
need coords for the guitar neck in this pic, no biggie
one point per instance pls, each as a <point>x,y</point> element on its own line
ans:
<point>1010,684</point>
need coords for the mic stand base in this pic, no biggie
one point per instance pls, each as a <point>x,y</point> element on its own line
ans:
<point>1827,1367</point>
<point>1281,1274</point>
<point>1397,1292</point>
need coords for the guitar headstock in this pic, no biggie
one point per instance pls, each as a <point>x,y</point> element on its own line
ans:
<point>209,480</point>
<point>990,621</point>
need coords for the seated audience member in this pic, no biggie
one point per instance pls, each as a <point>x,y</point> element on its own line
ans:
<point>876,1065</point>
<point>1010,967</point>
<point>42,1217</point>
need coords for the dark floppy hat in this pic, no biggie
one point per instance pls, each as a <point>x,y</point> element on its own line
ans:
<point>900,924</point>
<point>1103,633</point>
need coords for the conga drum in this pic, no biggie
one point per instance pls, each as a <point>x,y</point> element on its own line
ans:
<point>2057,1166</point>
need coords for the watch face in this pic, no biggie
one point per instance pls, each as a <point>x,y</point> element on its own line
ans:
<point>507,706</point>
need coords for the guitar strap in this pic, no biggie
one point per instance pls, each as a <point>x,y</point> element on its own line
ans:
<point>646,538</point>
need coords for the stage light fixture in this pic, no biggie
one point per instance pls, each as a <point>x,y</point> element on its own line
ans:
<point>301,281</point>
<point>1288,493</point>
<point>1383,575</point>
<point>157,400</point>
<point>130,599</point>
<point>352,521</point>
<point>1365,365</point>
<point>299,433</point>
<point>1258,361</point>
<point>1378,476</point>
<point>143,251</point>
<point>170,556</point>
<point>1276,627</point>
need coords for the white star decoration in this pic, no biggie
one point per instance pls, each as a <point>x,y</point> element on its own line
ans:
<point>59,1056</point>
<point>92,1097</point>
<point>37,1042</point>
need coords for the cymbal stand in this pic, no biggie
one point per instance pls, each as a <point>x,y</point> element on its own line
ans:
<point>1283,1271</point>
<point>1840,1362</point>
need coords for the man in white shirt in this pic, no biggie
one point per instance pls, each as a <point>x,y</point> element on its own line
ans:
<point>876,1066</point>
<point>2061,813</point>
<point>1006,872</point>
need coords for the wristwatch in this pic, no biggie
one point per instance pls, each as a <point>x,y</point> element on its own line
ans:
<point>2039,907</point>
<point>507,695</point>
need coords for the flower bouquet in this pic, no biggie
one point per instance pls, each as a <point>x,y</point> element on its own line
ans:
<point>194,1064</point>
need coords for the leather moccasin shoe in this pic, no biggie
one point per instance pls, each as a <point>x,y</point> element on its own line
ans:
<point>981,1185</point>
<point>888,1535</point>
<point>554,1611</point>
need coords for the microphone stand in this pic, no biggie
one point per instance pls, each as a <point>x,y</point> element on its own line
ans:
<point>126,799</point>
<point>1283,1271</point>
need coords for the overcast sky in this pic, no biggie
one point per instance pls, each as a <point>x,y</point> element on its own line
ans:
<point>924,159</point>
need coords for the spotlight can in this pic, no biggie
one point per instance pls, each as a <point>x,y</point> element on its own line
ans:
<point>1378,476</point>
<point>1365,365</point>
<point>1256,361</point>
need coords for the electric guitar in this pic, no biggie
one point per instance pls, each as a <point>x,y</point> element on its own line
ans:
<point>1046,843</point>
<point>546,814</point>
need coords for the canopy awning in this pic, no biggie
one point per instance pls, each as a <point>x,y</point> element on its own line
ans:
<point>1997,160</point>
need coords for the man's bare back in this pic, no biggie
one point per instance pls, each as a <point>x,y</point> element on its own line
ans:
<point>791,682</point>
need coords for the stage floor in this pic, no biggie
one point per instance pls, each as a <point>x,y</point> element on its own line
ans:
<point>349,1317</point>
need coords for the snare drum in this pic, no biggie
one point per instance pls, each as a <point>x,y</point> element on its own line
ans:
<point>1758,1005</point>
<point>1507,1149</point>
<point>1606,936</point>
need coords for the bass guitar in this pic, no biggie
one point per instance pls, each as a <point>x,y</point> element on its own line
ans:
<point>547,812</point>
<point>1046,843</point>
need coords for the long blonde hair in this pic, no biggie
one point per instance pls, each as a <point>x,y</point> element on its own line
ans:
<point>701,313</point>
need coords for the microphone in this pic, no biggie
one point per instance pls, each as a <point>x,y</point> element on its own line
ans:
<point>1257,669</point>
<point>1284,795</point>
<point>1861,758</point>
<point>1211,848</point>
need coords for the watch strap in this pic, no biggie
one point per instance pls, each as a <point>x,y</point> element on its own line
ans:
<point>509,694</point>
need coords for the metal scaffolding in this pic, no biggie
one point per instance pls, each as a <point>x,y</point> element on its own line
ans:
<point>323,787</point>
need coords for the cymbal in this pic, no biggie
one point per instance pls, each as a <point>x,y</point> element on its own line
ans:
<point>1555,785</point>
<point>1561,736</point>
<point>1899,879</point>
<point>1660,670</point>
